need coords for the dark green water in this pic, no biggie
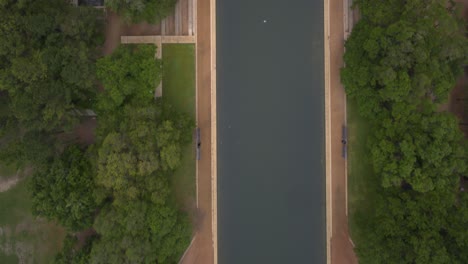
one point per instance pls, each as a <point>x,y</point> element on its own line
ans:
<point>270,93</point>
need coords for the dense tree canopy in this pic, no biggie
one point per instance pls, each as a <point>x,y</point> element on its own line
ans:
<point>410,227</point>
<point>130,73</point>
<point>142,10</point>
<point>402,60</point>
<point>424,152</point>
<point>47,58</point>
<point>132,172</point>
<point>120,185</point>
<point>149,233</point>
<point>405,60</point>
<point>47,63</point>
<point>73,254</point>
<point>138,148</point>
<point>31,148</point>
<point>63,190</point>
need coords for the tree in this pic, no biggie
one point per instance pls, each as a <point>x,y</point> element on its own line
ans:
<point>142,10</point>
<point>138,148</point>
<point>431,155</point>
<point>63,190</point>
<point>402,60</point>
<point>121,169</point>
<point>71,254</point>
<point>47,61</point>
<point>130,73</point>
<point>149,233</point>
<point>412,227</point>
<point>407,59</point>
<point>31,148</point>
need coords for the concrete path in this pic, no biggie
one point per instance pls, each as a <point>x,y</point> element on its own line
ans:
<point>341,248</point>
<point>203,249</point>
<point>156,39</point>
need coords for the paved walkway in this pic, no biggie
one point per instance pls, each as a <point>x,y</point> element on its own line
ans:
<point>202,250</point>
<point>340,244</point>
<point>157,39</point>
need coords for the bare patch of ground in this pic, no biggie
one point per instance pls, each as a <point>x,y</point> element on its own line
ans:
<point>141,29</point>
<point>6,184</point>
<point>83,236</point>
<point>458,102</point>
<point>85,131</point>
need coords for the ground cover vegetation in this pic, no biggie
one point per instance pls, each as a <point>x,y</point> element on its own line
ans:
<point>47,66</point>
<point>141,10</point>
<point>23,237</point>
<point>47,60</point>
<point>179,91</point>
<point>402,60</point>
<point>118,187</point>
<point>138,148</point>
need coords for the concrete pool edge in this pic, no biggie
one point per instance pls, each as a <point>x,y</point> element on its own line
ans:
<point>327,97</point>
<point>214,172</point>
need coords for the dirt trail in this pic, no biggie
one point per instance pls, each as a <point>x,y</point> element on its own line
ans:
<point>459,96</point>
<point>114,28</point>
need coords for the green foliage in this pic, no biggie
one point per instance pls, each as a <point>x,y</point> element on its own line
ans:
<point>429,156</point>
<point>130,73</point>
<point>32,148</point>
<point>151,233</point>
<point>62,191</point>
<point>142,10</point>
<point>179,77</point>
<point>402,60</point>
<point>137,147</point>
<point>47,60</point>
<point>137,151</point>
<point>39,239</point>
<point>411,227</point>
<point>140,194</point>
<point>168,141</point>
<point>71,254</point>
<point>121,168</point>
<point>47,65</point>
<point>407,60</point>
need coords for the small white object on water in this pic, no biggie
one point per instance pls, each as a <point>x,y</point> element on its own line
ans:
<point>264,21</point>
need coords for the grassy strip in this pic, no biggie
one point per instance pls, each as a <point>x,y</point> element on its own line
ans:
<point>362,185</point>
<point>179,77</point>
<point>179,91</point>
<point>7,171</point>
<point>31,239</point>
<point>8,259</point>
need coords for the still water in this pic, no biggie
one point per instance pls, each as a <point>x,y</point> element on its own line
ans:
<point>270,110</point>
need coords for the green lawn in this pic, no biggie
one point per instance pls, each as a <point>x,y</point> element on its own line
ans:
<point>362,184</point>
<point>179,76</point>
<point>7,171</point>
<point>179,91</point>
<point>29,239</point>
